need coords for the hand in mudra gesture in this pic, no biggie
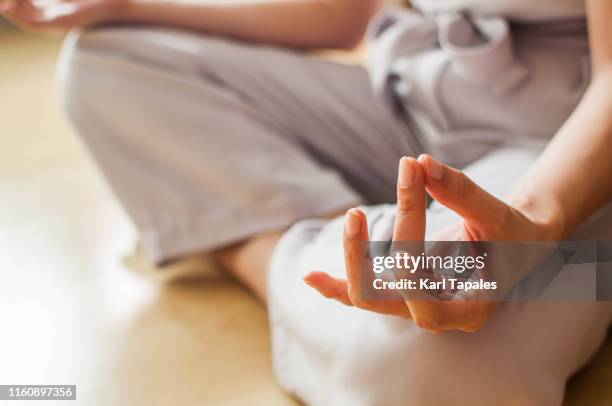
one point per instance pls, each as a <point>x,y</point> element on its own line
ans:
<point>485,218</point>
<point>60,15</point>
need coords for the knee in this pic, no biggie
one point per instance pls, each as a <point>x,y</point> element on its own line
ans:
<point>101,62</point>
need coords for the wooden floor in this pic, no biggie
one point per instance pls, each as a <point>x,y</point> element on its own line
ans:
<point>72,313</point>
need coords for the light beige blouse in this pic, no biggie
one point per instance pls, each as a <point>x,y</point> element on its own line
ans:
<point>524,10</point>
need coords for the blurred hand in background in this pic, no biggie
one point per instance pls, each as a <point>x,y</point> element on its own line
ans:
<point>58,15</point>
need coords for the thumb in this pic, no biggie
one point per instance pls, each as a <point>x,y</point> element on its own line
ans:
<point>455,190</point>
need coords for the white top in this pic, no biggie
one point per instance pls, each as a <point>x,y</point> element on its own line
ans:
<point>525,10</point>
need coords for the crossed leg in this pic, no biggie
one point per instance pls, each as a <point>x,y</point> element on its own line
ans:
<point>208,142</point>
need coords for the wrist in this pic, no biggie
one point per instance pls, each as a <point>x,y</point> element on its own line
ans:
<point>119,10</point>
<point>546,214</point>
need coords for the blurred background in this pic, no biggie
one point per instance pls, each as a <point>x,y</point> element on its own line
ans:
<point>73,312</point>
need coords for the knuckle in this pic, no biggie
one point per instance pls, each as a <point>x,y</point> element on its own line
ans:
<point>355,298</point>
<point>362,304</point>
<point>426,323</point>
<point>328,294</point>
<point>354,256</point>
<point>473,328</point>
<point>464,184</point>
<point>405,205</point>
<point>478,314</point>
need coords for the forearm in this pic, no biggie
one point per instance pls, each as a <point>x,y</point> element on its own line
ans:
<point>573,177</point>
<point>295,23</point>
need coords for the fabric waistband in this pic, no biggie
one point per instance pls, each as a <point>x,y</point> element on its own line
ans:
<point>479,44</point>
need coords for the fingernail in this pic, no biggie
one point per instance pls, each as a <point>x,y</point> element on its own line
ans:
<point>353,223</point>
<point>435,170</point>
<point>405,173</point>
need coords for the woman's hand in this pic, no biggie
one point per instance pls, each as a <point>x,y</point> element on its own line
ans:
<point>485,218</point>
<point>59,14</point>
